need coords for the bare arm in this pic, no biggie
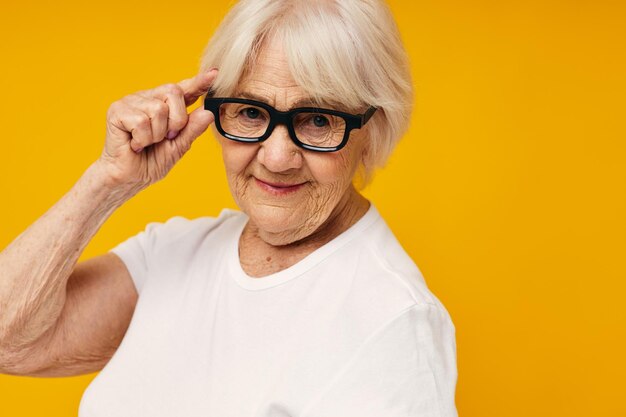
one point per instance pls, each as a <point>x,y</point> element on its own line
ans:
<point>57,319</point>
<point>99,305</point>
<point>36,266</point>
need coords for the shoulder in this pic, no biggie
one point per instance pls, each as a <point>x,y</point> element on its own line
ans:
<point>389,272</point>
<point>408,361</point>
<point>180,234</point>
<point>177,228</point>
<point>175,244</point>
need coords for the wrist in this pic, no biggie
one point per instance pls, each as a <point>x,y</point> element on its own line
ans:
<point>99,178</point>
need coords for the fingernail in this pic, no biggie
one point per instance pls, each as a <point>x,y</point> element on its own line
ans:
<point>172,134</point>
<point>138,150</point>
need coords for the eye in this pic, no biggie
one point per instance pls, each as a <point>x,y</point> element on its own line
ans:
<point>320,121</point>
<point>251,112</point>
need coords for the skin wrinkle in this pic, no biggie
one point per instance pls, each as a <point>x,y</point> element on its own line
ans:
<point>36,295</point>
<point>79,359</point>
<point>38,289</point>
<point>34,304</point>
<point>47,360</point>
<point>286,228</point>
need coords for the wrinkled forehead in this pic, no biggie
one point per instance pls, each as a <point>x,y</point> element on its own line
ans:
<point>270,61</point>
<point>268,78</point>
<point>276,73</point>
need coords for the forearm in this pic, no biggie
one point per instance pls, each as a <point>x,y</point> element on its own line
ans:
<point>35,267</point>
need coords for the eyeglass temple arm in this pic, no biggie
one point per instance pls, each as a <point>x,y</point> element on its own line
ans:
<point>368,114</point>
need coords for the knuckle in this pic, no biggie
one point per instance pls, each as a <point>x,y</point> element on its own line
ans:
<point>141,121</point>
<point>113,108</point>
<point>160,108</point>
<point>130,98</point>
<point>172,88</point>
<point>178,121</point>
<point>179,116</point>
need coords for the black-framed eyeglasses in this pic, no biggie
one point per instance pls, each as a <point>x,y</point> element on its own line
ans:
<point>312,128</point>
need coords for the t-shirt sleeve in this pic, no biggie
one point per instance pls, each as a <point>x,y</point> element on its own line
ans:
<point>137,251</point>
<point>405,369</point>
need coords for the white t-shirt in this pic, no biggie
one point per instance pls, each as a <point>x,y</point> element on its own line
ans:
<point>349,331</point>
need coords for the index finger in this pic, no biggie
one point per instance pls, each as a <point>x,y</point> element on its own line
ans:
<point>196,86</point>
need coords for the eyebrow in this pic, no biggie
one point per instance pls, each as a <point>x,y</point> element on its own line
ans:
<point>304,102</point>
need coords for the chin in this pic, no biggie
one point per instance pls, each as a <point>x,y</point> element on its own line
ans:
<point>280,225</point>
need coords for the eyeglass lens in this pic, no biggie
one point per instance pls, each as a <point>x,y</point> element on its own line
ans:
<point>249,121</point>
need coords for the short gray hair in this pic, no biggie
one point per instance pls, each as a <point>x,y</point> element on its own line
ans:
<point>347,52</point>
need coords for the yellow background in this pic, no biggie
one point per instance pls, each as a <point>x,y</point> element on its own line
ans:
<point>508,191</point>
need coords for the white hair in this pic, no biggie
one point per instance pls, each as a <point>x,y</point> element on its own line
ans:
<point>347,52</point>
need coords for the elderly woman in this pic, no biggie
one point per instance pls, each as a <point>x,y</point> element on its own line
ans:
<point>301,304</point>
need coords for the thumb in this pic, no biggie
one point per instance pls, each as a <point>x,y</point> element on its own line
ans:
<point>199,120</point>
<point>196,86</point>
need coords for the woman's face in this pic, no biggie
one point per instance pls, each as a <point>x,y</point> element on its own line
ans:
<point>288,192</point>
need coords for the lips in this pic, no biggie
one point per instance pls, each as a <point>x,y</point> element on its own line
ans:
<point>278,188</point>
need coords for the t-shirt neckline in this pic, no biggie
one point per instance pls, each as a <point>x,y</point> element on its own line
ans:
<point>259,283</point>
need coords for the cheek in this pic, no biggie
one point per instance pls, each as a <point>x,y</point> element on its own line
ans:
<point>335,168</point>
<point>237,156</point>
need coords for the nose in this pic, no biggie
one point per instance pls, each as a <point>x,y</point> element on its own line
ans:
<point>278,153</point>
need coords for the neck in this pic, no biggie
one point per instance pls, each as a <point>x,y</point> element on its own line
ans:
<point>256,247</point>
<point>350,208</point>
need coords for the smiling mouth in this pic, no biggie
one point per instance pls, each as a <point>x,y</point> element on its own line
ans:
<point>278,188</point>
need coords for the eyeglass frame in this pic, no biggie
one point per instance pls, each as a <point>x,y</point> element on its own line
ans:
<point>277,117</point>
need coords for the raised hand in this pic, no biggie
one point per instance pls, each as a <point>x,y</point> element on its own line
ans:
<point>149,131</point>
